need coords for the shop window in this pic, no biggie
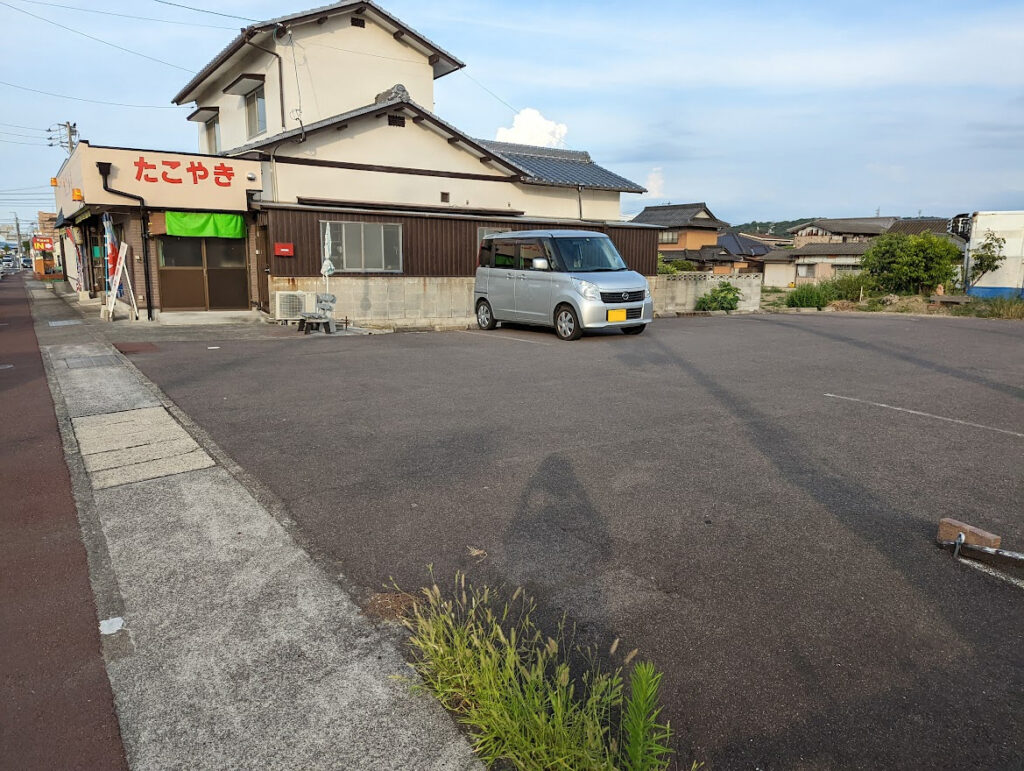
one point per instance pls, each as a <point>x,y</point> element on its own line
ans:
<point>225,252</point>
<point>362,247</point>
<point>178,252</point>
<point>256,112</point>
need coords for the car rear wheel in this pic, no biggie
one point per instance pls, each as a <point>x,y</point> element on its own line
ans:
<point>484,315</point>
<point>634,330</point>
<point>567,324</point>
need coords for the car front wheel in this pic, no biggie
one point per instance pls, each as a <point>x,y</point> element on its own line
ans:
<point>567,323</point>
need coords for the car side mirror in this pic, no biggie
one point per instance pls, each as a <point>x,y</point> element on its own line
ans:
<point>540,263</point>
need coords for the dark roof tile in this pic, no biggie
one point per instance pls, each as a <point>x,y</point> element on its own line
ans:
<point>555,166</point>
<point>680,215</point>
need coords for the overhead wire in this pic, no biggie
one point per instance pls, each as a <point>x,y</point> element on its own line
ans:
<point>93,37</point>
<point>27,128</point>
<point>96,101</point>
<point>31,144</point>
<point>127,15</point>
<point>204,10</point>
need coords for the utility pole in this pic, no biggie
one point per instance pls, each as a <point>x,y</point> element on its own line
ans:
<point>17,227</point>
<point>64,135</point>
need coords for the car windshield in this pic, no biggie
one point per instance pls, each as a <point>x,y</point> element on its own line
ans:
<point>589,255</point>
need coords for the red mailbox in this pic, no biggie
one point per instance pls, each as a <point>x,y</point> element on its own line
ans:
<point>284,250</point>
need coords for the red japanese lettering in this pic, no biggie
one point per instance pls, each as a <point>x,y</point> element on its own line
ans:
<point>142,167</point>
<point>222,175</point>
<point>171,165</point>
<point>198,171</point>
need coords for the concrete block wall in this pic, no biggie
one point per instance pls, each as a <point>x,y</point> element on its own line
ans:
<point>416,302</point>
<point>679,293</point>
<point>392,302</point>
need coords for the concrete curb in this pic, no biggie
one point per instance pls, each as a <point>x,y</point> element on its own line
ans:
<point>234,649</point>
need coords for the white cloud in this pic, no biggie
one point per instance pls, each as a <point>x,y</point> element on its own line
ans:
<point>529,127</point>
<point>655,183</point>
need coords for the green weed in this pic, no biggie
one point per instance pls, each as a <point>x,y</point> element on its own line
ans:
<point>489,664</point>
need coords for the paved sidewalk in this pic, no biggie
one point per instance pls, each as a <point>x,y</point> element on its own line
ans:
<point>228,647</point>
<point>56,706</point>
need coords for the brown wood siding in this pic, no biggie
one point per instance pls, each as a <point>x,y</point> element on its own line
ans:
<point>431,246</point>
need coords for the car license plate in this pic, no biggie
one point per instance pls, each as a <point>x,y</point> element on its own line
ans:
<point>619,314</point>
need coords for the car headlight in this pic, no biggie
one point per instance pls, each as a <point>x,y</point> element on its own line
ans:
<point>587,290</point>
<point>647,292</point>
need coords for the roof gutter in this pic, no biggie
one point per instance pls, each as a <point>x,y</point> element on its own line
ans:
<point>249,34</point>
<point>104,169</point>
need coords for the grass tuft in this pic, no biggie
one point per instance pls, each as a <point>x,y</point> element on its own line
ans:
<point>488,663</point>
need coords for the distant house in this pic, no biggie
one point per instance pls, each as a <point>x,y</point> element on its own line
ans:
<point>915,226</point>
<point>840,231</point>
<point>812,263</point>
<point>687,226</point>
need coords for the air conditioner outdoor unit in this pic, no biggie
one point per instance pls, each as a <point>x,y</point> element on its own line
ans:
<point>288,305</point>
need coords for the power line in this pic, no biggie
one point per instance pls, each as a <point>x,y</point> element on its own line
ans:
<point>32,144</point>
<point>16,134</point>
<point>126,15</point>
<point>23,189</point>
<point>204,10</point>
<point>28,128</point>
<point>91,37</point>
<point>96,101</point>
<point>485,88</point>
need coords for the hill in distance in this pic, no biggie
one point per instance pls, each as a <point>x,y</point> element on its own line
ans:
<point>768,228</point>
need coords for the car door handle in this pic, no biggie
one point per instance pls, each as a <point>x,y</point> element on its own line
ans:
<point>509,275</point>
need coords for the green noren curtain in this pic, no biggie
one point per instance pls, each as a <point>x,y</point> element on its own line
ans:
<point>205,225</point>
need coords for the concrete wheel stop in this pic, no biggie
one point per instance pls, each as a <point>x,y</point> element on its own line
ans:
<point>968,542</point>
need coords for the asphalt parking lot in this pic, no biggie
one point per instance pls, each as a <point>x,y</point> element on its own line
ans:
<point>701,491</point>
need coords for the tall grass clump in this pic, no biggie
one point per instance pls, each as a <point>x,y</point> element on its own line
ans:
<point>993,308</point>
<point>488,663</point>
<point>812,295</point>
<point>722,297</point>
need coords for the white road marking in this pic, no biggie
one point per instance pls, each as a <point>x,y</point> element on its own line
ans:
<point>501,336</point>
<point>992,572</point>
<point>927,415</point>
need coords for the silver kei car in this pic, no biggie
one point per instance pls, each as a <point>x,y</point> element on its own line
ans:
<point>571,280</point>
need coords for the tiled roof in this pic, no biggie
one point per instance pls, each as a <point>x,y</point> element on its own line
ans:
<point>445,63</point>
<point>680,215</point>
<point>915,226</point>
<point>854,249</point>
<point>743,246</point>
<point>555,166</point>
<point>704,254</point>
<point>862,226</point>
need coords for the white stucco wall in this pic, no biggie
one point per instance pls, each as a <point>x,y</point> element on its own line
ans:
<point>330,69</point>
<point>1008,225</point>
<point>372,141</point>
<point>779,274</point>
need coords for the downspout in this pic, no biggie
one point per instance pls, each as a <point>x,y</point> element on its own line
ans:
<point>280,74</point>
<point>104,169</point>
<point>579,198</point>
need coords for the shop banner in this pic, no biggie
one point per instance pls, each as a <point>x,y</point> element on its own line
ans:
<point>205,225</point>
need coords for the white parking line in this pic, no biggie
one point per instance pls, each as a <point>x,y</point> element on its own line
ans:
<point>504,336</point>
<point>926,415</point>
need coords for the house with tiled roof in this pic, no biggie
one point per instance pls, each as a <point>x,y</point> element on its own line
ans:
<point>840,231</point>
<point>324,123</point>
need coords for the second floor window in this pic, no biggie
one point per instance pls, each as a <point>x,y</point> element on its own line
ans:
<point>668,237</point>
<point>256,112</point>
<point>213,135</point>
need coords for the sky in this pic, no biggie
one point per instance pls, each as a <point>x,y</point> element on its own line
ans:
<point>765,110</point>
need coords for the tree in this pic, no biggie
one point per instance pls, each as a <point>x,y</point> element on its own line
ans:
<point>987,257</point>
<point>907,264</point>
